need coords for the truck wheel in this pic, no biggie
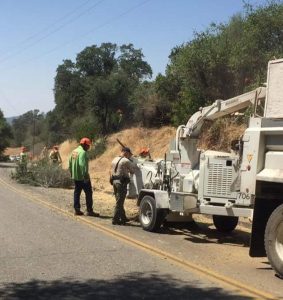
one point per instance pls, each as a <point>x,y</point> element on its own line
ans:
<point>273,240</point>
<point>150,217</point>
<point>225,223</point>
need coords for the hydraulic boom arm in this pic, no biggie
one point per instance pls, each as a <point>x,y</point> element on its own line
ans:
<point>221,108</point>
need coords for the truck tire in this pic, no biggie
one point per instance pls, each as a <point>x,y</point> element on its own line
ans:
<point>225,223</point>
<point>150,217</point>
<point>273,240</point>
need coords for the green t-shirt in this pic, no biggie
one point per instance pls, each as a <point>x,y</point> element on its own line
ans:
<point>23,157</point>
<point>78,164</point>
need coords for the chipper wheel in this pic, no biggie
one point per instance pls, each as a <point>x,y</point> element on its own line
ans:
<point>150,217</point>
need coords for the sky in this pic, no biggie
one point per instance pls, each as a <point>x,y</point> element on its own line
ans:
<point>37,35</point>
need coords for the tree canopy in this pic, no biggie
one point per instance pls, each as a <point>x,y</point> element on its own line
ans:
<point>99,84</point>
<point>108,86</point>
<point>5,133</point>
<point>223,61</point>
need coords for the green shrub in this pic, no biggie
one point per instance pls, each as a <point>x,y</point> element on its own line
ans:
<point>4,157</point>
<point>98,149</point>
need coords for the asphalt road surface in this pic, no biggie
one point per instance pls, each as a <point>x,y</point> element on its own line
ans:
<point>45,254</point>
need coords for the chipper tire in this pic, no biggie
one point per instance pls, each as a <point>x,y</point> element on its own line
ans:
<point>273,240</point>
<point>225,224</point>
<point>150,217</point>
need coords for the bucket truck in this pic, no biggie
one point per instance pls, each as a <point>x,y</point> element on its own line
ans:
<point>248,182</point>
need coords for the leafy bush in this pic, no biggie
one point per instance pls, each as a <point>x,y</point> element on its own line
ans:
<point>84,126</point>
<point>42,173</point>
<point>4,157</point>
<point>98,149</point>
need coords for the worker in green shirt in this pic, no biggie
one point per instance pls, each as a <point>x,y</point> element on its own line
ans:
<point>78,166</point>
<point>23,160</point>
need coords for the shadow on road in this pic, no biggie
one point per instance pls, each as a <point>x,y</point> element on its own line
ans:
<point>203,234</point>
<point>130,286</point>
<point>268,267</point>
<point>7,165</point>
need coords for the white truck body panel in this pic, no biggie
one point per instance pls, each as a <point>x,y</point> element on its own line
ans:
<point>225,211</point>
<point>274,95</point>
<point>273,168</point>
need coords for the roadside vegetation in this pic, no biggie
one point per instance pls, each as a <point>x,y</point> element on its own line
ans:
<point>42,173</point>
<point>5,134</point>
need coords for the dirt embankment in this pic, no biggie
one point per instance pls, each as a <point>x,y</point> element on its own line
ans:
<point>157,140</point>
<point>12,151</point>
<point>135,138</point>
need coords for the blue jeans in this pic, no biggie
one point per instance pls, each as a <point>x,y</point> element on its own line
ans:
<point>86,187</point>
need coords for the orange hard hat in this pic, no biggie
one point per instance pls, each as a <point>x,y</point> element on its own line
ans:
<point>85,141</point>
<point>144,151</point>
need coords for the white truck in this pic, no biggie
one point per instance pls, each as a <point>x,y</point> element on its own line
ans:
<point>248,182</point>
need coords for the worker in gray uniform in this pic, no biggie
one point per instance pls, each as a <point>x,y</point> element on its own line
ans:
<point>121,168</point>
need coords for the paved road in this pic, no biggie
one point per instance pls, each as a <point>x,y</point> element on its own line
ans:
<point>227,255</point>
<point>199,245</point>
<point>46,255</point>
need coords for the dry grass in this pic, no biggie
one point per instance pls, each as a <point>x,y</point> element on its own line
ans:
<point>65,150</point>
<point>12,151</point>
<point>158,140</point>
<point>218,136</point>
<point>135,138</point>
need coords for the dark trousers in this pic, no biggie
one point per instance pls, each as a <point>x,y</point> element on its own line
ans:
<point>120,192</point>
<point>23,167</point>
<point>86,187</point>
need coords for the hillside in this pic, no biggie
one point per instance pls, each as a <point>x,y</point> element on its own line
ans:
<point>216,137</point>
<point>135,138</point>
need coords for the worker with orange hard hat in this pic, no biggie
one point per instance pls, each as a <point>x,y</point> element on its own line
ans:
<point>23,159</point>
<point>78,166</point>
<point>144,153</point>
<point>55,156</point>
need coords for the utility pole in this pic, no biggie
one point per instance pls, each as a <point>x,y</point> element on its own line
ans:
<point>33,134</point>
<point>35,111</point>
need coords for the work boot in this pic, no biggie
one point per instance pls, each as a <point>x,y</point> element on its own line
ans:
<point>116,222</point>
<point>91,213</point>
<point>124,221</point>
<point>78,213</point>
